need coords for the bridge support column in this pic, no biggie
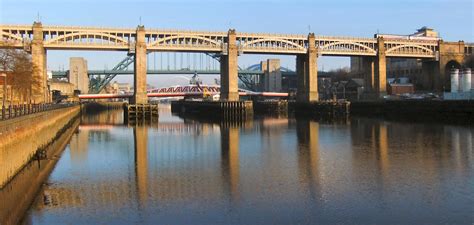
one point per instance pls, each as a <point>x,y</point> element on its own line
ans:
<point>369,75</point>
<point>271,75</point>
<point>380,78</point>
<point>229,70</point>
<point>38,57</point>
<point>429,69</point>
<point>451,55</point>
<point>139,94</point>
<point>307,72</point>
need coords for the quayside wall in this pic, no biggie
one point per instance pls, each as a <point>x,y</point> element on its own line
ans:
<point>418,110</point>
<point>21,138</point>
<point>17,196</point>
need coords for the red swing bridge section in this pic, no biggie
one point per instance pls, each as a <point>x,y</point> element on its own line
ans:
<point>182,91</point>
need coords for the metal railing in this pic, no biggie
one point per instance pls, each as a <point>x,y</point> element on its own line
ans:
<point>14,111</point>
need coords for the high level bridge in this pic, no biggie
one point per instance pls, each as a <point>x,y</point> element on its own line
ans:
<point>38,39</point>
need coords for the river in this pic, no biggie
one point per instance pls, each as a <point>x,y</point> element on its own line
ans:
<point>271,170</point>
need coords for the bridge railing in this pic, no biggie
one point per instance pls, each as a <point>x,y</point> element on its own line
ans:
<point>14,111</point>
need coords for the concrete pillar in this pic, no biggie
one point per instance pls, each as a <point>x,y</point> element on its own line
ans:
<point>312,58</point>
<point>38,58</point>
<point>429,70</point>
<point>140,133</point>
<point>368,70</point>
<point>380,78</point>
<point>140,95</point>
<point>272,75</point>
<point>307,72</point>
<point>229,70</point>
<point>78,74</point>
<point>264,66</point>
<point>301,78</point>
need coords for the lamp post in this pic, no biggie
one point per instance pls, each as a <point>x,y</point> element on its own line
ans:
<point>4,75</point>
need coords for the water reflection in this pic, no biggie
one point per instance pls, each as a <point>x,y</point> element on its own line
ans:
<point>230,160</point>
<point>270,170</point>
<point>17,196</point>
<point>140,134</point>
<point>308,157</point>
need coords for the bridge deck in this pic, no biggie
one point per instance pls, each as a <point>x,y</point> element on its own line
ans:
<point>96,38</point>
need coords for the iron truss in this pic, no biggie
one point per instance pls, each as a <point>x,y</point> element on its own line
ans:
<point>59,37</point>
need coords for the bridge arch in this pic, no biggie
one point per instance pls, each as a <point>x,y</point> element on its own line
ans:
<point>282,42</point>
<point>177,38</point>
<point>9,36</point>
<point>347,45</point>
<point>453,64</point>
<point>408,47</point>
<point>87,35</point>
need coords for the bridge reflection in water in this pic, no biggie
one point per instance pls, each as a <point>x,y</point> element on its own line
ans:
<point>271,170</point>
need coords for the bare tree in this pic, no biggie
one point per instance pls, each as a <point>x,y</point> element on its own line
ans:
<point>19,67</point>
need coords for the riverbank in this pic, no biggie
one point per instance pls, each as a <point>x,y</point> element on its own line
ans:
<point>18,194</point>
<point>417,110</point>
<point>23,137</point>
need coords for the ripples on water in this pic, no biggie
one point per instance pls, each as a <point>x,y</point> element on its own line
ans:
<point>266,171</point>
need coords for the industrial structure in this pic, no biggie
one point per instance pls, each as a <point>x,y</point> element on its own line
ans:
<point>461,85</point>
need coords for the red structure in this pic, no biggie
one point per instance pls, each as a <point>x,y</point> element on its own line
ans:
<point>183,91</point>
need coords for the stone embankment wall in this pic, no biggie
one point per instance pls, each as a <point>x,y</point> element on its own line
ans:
<point>446,111</point>
<point>20,192</point>
<point>22,137</point>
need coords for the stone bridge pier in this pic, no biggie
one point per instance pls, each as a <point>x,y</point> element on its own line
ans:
<point>229,69</point>
<point>307,72</point>
<point>435,72</point>
<point>39,87</point>
<point>375,72</point>
<point>451,55</point>
<point>139,78</point>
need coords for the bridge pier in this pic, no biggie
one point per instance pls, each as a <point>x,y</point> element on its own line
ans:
<point>307,72</point>
<point>229,69</point>
<point>380,75</point>
<point>375,73</point>
<point>139,93</point>
<point>451,55</point>
<point>430,70</point>
<point>434,71</point>
<point>271,80</point>
<point>369,73</point>
<point>38,58</point>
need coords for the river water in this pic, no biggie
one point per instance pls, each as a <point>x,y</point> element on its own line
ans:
<point>267,171</point>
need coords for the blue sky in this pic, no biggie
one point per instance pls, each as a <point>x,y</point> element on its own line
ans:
<point>452,18</point>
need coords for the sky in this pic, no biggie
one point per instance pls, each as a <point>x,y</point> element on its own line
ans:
<point>453,19</point>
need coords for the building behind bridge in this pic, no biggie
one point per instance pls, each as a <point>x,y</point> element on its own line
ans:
<point>399,67</point>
